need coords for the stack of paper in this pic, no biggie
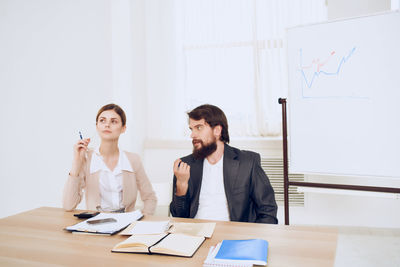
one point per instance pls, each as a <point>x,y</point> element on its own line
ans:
<point>159,227</point>
<point>119,222</point>
<point>197,229</point>
<point>235,253</point>
<point>147,228</point>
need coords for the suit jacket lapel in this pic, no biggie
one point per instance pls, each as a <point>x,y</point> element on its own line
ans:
<point>231,168</point>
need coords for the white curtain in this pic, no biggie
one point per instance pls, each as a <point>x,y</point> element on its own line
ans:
<point>233,54</point>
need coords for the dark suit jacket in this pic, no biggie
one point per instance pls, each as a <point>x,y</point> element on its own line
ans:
<point>248,191</point>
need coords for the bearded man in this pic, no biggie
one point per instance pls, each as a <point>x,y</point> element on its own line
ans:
<point>217,181</point>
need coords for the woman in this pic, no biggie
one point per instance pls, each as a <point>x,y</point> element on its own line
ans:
<point>110,177</point>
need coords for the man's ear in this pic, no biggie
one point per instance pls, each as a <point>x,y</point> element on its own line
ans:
<point>217,131</point>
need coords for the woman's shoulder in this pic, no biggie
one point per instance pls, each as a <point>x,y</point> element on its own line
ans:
<point>133,157</point>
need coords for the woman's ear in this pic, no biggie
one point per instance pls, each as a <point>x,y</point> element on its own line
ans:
<point>123,129</point>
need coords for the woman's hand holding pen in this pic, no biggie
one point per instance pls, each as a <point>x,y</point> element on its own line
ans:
<point>182,174</point>
<point>80,149</point>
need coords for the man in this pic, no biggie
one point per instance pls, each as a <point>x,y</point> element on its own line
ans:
<point>217,181</point>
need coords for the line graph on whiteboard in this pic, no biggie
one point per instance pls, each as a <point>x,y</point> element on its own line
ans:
<point>329,75</point>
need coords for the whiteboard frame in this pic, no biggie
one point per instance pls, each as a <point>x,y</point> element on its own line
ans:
<point>290,92</point>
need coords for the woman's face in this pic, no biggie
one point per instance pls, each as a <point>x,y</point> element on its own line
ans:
<point>109,125</point>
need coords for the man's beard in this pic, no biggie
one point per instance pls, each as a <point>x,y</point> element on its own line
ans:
<point>205,150</point>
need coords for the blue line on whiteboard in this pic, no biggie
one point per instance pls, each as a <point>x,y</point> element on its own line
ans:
<point>317,73</point>
<point>318,64</point>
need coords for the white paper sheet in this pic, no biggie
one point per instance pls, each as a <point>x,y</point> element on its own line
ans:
<point>123,220</point>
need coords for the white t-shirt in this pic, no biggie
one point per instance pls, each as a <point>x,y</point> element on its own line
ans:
<point>110,182</point>
<point>212,201</point>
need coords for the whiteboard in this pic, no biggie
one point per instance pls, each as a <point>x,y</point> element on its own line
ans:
<point>344,97</point>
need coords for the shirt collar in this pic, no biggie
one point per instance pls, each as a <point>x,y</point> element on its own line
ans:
<point>97,163</point>
<point>216,165</point>
<point>125,163</point>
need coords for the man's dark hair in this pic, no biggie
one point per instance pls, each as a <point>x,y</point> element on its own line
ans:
<point>213,116</point>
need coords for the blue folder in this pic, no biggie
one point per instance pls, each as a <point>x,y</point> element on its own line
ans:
<point>253,251</point>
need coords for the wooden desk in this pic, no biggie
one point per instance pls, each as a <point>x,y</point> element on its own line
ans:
<point>37,238</point>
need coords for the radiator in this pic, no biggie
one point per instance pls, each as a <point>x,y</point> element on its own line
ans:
<point>273,167</point>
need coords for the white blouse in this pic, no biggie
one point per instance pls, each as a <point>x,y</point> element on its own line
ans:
<point>110,182</point>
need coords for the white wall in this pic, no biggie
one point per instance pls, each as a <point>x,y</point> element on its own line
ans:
<point>164,116</point>
<point>138,124</point>
<point>395,4</point>
<point>55,72</point>
<point>343,9</point>
<point>348,208</point>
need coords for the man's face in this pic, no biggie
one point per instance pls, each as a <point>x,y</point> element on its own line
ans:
<point>204,138</point>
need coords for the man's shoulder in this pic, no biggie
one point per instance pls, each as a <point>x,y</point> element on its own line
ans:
<point>243,154</point>
<point>188,158</point>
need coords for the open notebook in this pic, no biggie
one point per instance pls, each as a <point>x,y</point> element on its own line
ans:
<point>178,239</point>
<point>166,243</point>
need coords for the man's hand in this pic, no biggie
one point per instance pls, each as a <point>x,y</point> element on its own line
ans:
<point>182,174</point>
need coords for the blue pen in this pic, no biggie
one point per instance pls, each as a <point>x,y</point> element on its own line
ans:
<point>80,135</point>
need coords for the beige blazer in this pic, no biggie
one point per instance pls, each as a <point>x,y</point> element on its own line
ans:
<point>89,183</point>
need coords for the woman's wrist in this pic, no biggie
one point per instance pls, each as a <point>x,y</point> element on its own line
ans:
<point>74,171</point>
<point>73,174</point>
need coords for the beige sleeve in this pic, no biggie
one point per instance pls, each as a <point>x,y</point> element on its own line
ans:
<point>73,191</point>
<point>146,191</point>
